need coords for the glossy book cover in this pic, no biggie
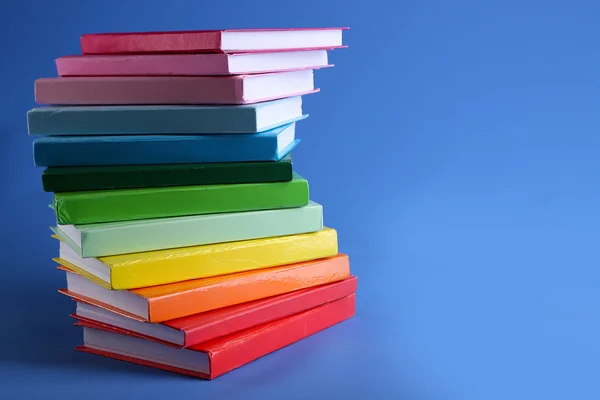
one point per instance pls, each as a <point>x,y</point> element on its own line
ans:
<point>151,268</point>
<point>199,328</point>
<point>90,207</point>
<point>212,41</point>
<point>216,357</point>
<point>174,90</point>
<point>114,238</point>
<point>78,179</point>
<point>94,150</point>
<point>163,119</point>
<point>190,64</point>
<point>176,300</point>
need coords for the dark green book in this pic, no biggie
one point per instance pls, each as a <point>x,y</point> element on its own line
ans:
<point>96,206</point>
<point>74,179</point>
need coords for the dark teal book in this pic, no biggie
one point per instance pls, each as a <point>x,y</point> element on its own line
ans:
<point>72,151</point>
<point>73,179</point>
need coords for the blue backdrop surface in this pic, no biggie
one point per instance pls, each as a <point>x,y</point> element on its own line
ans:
<point>454,147</point>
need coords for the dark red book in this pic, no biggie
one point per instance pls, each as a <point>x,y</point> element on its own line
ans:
<point>202,327</point>
<point>216,357</point>
<point>213,41</point>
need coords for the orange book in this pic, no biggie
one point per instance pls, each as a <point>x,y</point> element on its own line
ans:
<point>181,299</point>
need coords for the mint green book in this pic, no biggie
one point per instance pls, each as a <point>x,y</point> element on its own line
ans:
<point>107,239</point>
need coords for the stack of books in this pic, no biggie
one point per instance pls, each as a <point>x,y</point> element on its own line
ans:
<point>188,241</point>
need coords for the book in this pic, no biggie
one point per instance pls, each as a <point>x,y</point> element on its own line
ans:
<point>164,120</point>
<point>78,151</point>
<point>113,238</point>
<point>151,268</point>
<point>181,299</point>
<point>202,327</point>
<point>167,90</point>
<point>76,179</point>
<point>218,356</point>
<point>73,208</point>
<point>212,41</point>
<point>190,64</point>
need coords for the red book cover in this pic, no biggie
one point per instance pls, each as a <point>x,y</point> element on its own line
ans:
<point>212,41</point>
<point>202,327</point>
<point>219,356</point>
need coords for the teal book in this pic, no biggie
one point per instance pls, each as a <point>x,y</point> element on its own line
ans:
<point>163,120</point>
<point>114,238</point>
<point>78,151</point>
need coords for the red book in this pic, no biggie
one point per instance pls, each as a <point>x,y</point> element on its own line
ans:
<point>202,327</point>
<point>219,356</point>
<point>212,41</point>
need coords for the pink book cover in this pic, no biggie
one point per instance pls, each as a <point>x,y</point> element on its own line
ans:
<point>159,65</point>
<point>194,41</point>
<point>166,90</point>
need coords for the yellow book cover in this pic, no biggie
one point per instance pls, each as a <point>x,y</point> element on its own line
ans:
<point>137,270</point>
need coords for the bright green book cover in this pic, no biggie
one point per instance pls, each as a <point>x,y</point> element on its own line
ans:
<point>91,207</point>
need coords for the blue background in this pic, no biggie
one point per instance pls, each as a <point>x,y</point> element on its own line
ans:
<point>455,148</point>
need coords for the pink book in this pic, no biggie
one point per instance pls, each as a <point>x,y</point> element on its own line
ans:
<point>166,90</point>
<point>190,64</point>
<point>212,41</point>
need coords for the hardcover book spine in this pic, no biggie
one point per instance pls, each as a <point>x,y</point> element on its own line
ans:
<point>168,175</point>
<point>143,120</point>
<point>152,268</point>
<point>136,204</point>
<point>210,325</point>
<point>137,90</point>
<point>140,65</point>
<point>166,233</point>
<point>159,42</point>
<point>240,348</point>
<point>260,312</point>
<point>153,150</point>
<point>250,287</point>
<point>231,352</point>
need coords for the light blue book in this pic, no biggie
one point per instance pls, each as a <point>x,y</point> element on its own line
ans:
<point>70,151</point>
<point>164,120</point>
<point>112,238</point>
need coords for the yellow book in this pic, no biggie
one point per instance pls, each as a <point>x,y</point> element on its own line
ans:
<point>136,270</point>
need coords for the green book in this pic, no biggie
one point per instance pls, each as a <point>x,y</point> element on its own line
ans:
<point>72,179</point>
<point>125,237</point>
<point>136,204</point>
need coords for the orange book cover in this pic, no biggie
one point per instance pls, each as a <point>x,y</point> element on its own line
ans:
<point>198,328</point>
<point>181,299</point>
